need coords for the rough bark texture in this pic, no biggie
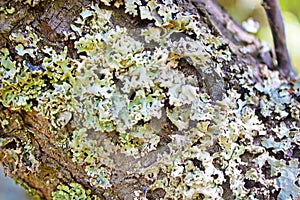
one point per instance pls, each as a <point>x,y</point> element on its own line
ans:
<point>56,155</point>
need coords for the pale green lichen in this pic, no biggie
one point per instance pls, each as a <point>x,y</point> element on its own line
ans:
<point>8,10</point>
<point>89,154</point>
<point>26,42</point>
<point>18,87</point>
<point>122,83</point>
<point>139,142</point>
<point>97,176</point>
<point>32,3</point>
<point>73,191</point>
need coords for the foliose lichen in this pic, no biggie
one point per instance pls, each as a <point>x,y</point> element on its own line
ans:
<point>74,191</point>
<point>124,84</point>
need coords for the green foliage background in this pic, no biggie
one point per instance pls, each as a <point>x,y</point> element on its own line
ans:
<point>241,10</point>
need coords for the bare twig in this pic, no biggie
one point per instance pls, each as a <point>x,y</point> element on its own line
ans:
<point>277,27</point>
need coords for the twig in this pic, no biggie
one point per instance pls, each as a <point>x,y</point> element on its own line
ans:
<point>277,27</point>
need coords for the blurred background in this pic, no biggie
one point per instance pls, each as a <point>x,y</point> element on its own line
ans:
<point>9,190</point>
<point>250,14</point>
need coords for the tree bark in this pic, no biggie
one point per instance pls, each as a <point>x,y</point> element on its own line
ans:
<point>196,111</point>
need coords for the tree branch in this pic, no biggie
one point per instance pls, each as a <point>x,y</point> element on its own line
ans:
<point>277,27</point>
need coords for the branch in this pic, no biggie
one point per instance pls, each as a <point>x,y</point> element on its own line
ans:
<point>277,27</point>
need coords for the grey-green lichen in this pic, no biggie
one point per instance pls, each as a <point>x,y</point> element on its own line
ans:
<point>7,11</point>
<point>32,3</point>
<point>74,191</point>
<point>126,84</point>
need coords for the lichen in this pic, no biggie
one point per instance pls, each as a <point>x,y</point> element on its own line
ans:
<point>32,3</point>
<point>128,84</point>
<point>26,42</point>
<point>73,191</point>
<point>7,10</point>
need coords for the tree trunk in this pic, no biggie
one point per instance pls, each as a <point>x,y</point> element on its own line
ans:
<point>143,100</point>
